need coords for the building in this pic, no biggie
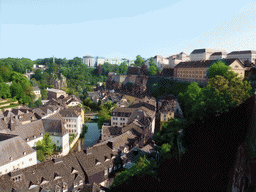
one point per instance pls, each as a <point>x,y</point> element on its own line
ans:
<point>37,92</point>
<point>197,70</point>
<point>176,59</point>
<point>160,61</point>
<point>55,93</point>
<point>218,55</point>
<point>202,54</point>
<point>73,119</point>
<point>55,125</point>
<point>169,108</point>
<point>89,60</point>
<point>249,55</point>
<point>15,153</point>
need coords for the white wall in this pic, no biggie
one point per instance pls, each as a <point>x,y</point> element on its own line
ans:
<point>23,162</point>
<point>32,143</point>
<point>118,121</point>
<point>65,144</point>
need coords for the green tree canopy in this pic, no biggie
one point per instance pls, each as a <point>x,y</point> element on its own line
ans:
<point>218,68</point>
<point>153,69</point>
<point>123,67</point>
<point>139,61</point>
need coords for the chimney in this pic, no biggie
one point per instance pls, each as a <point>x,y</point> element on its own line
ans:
<point>110,144</point>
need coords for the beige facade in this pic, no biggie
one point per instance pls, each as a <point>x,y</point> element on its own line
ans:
<point>198,74</point>
<point>191,74</point>
<point>166,116</point>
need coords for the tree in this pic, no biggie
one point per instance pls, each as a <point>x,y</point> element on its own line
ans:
<point>5,73</point>
<point>106,68</point>
<point>153,69</point>
<point>4,90</point>
<point>99,69</point>
<point>233,85</point>
<point>48,146</point>
<point>44,93</point>
<point>38,102</point>
<point>84,131</point>
<point>139,61</point>
<point>123,68</point>
<point>218,68</point>
<point>40,151</point>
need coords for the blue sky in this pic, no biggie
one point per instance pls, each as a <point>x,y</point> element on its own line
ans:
<point>117,28</point>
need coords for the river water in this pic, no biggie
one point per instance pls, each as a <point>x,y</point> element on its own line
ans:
<point>91,137</point>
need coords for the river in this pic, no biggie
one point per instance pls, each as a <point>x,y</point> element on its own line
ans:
<point>90,138</point>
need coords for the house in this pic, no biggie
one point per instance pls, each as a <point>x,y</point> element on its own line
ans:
<point>169,108</point>
<point>218,55</point>
<point>15,153</point>
<point>197,70</point>
<point>160,61</point>
<point>202,54</point>
<point>56,127</point>
<point>37,92</point>
<point>55,93</point>
<point>243,55</point>
<point>176,59</point>
<point>73,119</point>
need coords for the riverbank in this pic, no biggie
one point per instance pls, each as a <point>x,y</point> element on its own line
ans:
<point>91,137</point>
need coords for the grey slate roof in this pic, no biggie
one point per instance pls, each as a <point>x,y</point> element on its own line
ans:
<point>198,51</point>
<point>29,130</point>
<point>54,126</point>
<point>12,146</point>
<point>242,52</point>
<point>69,112</point>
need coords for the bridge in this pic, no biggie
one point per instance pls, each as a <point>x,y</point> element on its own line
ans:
<point>90,115</point>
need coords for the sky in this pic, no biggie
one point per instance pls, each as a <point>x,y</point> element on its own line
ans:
<point>123,29</point>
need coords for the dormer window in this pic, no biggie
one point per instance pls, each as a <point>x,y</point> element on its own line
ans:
<point>34,136</point>
<point>97,162</point>
<point>56,176</point>
<point>11,159</point>
<point>73,170</point>
<point>27,139</point>
<point>24,153</point>
<point>106,158</point>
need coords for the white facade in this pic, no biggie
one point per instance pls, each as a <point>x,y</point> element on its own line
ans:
<point>32,143</point>
<point>21,163</point>
<point>223,55</point>
<point>37,93</point>
<point>119,121</point>
<point>160,61</point>
<point>202,54</point>
<point>176,59</point>
<point>243,55</point>
<point>74,124</point>
<point>88,60</point>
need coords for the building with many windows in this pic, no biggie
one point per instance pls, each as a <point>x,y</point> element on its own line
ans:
<point>197,70</point>
<point>249,55</point>
<point>89,60</point>
<point>202,54</point>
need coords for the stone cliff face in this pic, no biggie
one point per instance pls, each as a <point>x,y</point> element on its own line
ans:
<point>58,83</point>
<point>135,85</point>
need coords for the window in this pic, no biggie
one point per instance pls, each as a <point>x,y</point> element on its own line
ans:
<point>30,159</point>
<point>57,141</point>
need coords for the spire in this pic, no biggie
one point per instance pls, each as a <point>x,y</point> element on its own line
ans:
<point>53,60</point>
